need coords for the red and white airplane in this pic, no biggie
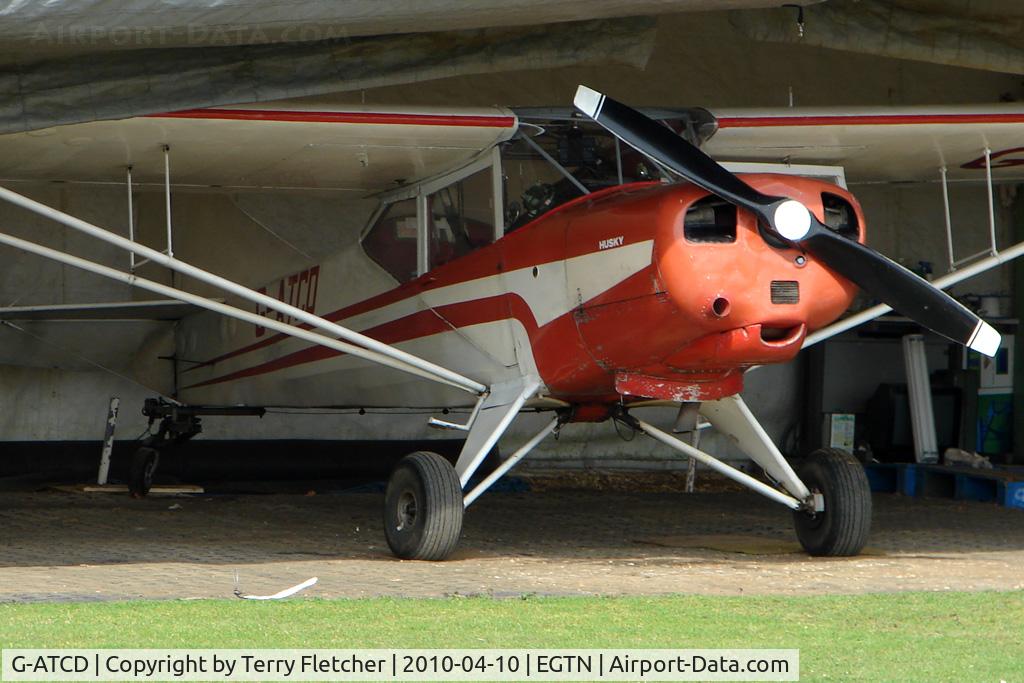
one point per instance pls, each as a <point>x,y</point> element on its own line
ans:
<point>605,287</point>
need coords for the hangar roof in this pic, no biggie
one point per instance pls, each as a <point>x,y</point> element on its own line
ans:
<point>62,26</point>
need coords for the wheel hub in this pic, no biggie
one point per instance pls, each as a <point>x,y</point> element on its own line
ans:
<point>406,510</point>
<point>150,470</point>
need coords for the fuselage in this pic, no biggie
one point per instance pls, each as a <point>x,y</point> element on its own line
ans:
<point>638,291</point>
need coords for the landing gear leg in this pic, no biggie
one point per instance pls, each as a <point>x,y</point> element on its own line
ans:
<point>177,425</point>
<point>829,496</point>
<point>424,502</point>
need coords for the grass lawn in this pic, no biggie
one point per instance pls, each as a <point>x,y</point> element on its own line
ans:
<point>884,637</point>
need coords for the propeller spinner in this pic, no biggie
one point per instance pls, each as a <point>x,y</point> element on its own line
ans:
<point>793,223</point>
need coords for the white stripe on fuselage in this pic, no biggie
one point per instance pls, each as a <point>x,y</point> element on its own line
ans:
<point>558,287</point>
<point>549,294</point>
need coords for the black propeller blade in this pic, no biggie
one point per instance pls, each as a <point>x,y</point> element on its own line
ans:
<point>791,221</point>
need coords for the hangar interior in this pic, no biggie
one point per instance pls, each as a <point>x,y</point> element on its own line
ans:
<point>57,377</point>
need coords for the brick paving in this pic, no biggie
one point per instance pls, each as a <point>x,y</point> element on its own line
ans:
<point>61,546</point>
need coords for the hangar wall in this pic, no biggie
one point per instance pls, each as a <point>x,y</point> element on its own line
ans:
<point>699,59</point>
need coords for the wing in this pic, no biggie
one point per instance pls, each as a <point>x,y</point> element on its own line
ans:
<point>160,310</point>
<point>355,149</point>
<point>879,144</point>
<point>87,336</point>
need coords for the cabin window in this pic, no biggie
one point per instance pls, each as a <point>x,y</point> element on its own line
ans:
<point>437,220</point>
<point>460,218</point>
<point>391,242</point>
<point>710,220</point>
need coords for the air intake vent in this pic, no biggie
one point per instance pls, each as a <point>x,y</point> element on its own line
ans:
<point>840,216</point>
<point>785,292</point>
<point>710,220</point>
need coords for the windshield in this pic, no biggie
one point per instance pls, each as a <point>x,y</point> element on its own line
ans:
<point>553,161</point>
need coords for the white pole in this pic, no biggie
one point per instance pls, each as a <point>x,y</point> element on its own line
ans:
<point>167,197</point>
<point>949,222</point>
<point>216,306</point>
<point>430,370</point>
<point>991,202</point>
<point>423,221</point>
<point>498,193</point>
<point>919,393</point>
<point>944,282</point>
<point>108,441</point>
<point>131,222</point>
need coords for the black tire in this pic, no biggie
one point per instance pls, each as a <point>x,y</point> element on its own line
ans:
<point>843,528</point>
<point>423,508</point>
<point>140,476</point>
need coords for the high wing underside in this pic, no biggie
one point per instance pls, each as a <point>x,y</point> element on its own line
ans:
<point>106,335</point>
<point>364,150</point>
<point>879,144</point>
<point>159,310</point>
<point>359,150</point>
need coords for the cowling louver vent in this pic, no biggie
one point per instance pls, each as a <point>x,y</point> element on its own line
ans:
<point>785,292</point>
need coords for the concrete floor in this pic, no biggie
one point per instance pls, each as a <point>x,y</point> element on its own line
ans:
<point>61,546</point>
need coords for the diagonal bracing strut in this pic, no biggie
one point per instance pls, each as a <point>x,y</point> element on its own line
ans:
<point>215,306</point>
<point>359,345</point>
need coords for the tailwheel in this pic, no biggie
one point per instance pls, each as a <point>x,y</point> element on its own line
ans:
<point>842,528</point>
<point>140,477</point>
<point>423,508</point>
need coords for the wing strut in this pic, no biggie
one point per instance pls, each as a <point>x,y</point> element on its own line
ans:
<point>358,344</point>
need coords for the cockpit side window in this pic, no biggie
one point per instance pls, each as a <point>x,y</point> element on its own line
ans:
<point>460,218</point>
<point>391,242</point>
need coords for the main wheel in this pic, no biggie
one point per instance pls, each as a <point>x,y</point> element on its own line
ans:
<point>140,476</point>
<point>842,528</point>
<point>423,508</point>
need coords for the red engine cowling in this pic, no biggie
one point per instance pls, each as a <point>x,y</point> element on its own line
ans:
<point>716,299</point>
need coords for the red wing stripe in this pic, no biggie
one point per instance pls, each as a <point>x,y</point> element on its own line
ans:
<point>378,118</point>
<point>419,324</point>
<point>865,120</point>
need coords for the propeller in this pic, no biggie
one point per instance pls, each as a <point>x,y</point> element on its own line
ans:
<point>795,225</point>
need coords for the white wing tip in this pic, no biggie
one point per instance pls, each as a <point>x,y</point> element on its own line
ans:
<point>985,339</point>
<point>588,101</point>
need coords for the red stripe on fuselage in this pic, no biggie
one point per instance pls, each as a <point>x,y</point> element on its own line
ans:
<point>375,118</point>
<point>414,326</point>
<point>457,272</point>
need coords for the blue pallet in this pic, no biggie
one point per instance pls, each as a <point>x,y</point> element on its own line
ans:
<point>1013,494</point>
<point>911,479</point>
<point>883,477</point>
